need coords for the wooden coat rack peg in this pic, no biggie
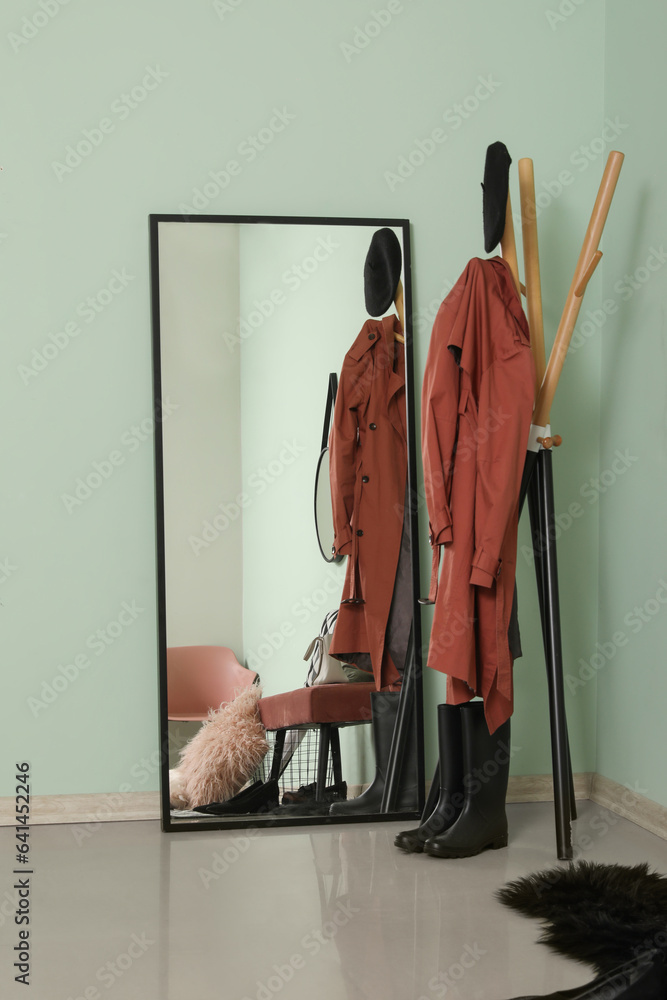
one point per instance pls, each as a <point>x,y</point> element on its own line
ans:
<point>508,245</point>
<point>398,302</point>
<point>550,442</point>
<point>589,258</point>
<point>531,266</point>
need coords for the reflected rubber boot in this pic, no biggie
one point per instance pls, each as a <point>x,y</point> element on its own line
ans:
<point>482,823</point>
<point>384,708</point>
<point>450,799</point>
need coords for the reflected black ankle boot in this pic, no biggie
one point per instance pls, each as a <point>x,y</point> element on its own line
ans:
<point>384,708</point>
<point>482,823</point>
<point>450,799</point>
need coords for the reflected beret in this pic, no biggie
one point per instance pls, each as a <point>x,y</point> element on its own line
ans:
<point>382,271</point>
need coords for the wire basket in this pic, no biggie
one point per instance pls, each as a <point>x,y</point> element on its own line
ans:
<point>299,760</point>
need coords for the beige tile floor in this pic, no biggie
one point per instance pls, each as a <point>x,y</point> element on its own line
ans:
<point>326,912</point>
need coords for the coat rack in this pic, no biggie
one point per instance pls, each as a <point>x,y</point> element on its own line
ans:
<point>536,485</point>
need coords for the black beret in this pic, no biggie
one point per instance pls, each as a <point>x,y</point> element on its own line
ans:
<point>495,188</point>
<point>382,271</point>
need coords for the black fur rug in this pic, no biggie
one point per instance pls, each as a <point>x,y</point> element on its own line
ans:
<point>602,915</point>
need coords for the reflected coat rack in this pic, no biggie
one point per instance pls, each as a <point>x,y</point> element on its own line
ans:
<point>537,482</point>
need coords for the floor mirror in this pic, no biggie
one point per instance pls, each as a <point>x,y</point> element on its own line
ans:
<point>253,319</point>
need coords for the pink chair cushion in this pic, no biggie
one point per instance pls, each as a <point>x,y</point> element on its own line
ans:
<point>321,703</point>
<point>203,677</point>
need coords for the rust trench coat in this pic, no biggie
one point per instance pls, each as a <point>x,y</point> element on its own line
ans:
<point>477,403</point>
<point>368,471</point>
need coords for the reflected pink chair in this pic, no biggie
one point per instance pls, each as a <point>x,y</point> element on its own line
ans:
<point>203,677</point>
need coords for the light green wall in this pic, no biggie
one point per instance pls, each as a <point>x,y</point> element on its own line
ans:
<point>632,675</point>
<point>340,121</point>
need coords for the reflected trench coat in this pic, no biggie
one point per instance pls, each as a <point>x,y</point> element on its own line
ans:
<point>477,403</point>
<point>368,471</point>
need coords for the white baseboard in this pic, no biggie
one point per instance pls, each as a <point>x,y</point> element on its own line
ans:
<point>630,804</point>
<point>540,787</point>
<point>116,807</point>
<point>93,808</point>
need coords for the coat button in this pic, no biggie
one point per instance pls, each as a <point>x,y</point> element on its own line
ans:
<point>371,336</point>
<point>364,479</point>
<point>360,532</point>
<point>373,426</point>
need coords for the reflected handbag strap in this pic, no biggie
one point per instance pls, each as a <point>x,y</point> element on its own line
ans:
<point>316,651</point>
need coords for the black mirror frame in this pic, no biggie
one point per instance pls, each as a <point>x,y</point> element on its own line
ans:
<point>411,694</point>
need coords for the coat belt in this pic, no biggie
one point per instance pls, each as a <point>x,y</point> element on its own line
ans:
<point>356,597</point>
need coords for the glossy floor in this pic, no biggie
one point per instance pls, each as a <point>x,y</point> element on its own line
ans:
<point>338,913</point>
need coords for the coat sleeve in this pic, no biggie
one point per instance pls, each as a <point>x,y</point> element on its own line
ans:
<point>505,408</point>
<point>343,449</point>
<point>439,423</point>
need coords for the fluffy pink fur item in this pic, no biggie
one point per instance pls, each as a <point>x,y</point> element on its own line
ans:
<point>222,755</point>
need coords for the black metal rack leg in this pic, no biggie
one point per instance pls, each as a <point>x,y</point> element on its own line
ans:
<point>559,742</point>
<point>404,722</point>
<point>335,755</point>
<point>573,801</point>
<point>539,537</point>
<point>278,748</point>
<point>323,760</point>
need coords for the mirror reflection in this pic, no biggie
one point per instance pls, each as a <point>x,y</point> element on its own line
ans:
<point>271,653</point>
<point>324,525</point>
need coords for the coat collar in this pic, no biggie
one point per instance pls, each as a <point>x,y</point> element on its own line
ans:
<point>480,273</point>
<point>374,334</point>
<point>513,299</point>
<point>377,335</point>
